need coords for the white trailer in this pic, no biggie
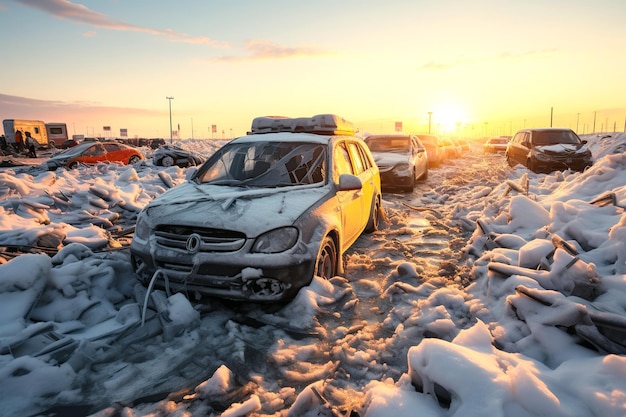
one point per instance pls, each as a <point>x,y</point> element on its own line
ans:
<point>57,133</point>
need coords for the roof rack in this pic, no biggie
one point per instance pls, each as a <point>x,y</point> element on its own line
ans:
<point>321,124</point>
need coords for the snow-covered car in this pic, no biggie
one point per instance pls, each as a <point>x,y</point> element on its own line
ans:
<point>496,144</point>
<point>264,214</point>
<point>401,159</point>
<point>548,149</point>
<point>168,156</point>
<point>93,153</point>
<point>431,143</point>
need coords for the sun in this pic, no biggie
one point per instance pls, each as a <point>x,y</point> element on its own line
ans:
<point>447,118</point>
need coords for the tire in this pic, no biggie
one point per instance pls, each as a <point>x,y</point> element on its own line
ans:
<point>326,264</point>
<point>167,161</point>
<point>374,220</point>
<point>134,159</point>
<point>72,165</point>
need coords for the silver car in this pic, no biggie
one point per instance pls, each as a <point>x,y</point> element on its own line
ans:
<point>264,214</point>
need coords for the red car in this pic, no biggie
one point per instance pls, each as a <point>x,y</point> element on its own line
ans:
<point>93,153</point>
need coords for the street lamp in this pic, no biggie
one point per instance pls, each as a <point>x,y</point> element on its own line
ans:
<point>170,100</point>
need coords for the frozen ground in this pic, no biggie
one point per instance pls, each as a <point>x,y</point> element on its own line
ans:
<point>489,291</point>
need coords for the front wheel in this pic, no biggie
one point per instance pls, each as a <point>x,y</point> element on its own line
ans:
<point>73,165</point>
<point>167,161</point>
<point>326,263</point>
<point>134,159</point>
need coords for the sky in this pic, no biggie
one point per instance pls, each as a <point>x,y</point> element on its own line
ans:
<point>461,68</point>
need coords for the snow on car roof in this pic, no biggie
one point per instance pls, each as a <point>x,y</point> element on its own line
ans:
<point>285,137</point>
<point>321,124</point>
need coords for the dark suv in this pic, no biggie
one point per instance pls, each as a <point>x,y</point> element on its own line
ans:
<point>549,149</point>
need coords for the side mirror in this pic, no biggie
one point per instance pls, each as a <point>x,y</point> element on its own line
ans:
<point>349,182</point>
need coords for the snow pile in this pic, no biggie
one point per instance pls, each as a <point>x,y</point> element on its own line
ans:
<point>540,330</point>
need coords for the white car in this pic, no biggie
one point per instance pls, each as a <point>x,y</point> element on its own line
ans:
<point>264,214</point>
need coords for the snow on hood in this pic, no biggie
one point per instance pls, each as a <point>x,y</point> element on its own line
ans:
<point>389,158</point>
<point>562,148</point>
<point>253,210</point>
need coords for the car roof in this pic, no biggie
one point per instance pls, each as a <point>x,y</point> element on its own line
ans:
<point>547,129</point>
<point>289,137</point>
<point>388,136</point>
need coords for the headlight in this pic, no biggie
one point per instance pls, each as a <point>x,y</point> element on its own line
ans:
<point>402,167</point>
<point>542,156</point>
<point>142,230</point>
<point>275,241</point>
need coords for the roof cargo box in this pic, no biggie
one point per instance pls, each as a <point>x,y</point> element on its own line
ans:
<point>321,124</point>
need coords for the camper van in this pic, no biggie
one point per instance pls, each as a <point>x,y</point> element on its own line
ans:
<point>46,134</point>
<point>57,133</point>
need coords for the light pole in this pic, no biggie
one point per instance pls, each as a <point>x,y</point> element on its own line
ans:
<point>170,100</point>
<point>430,117</point>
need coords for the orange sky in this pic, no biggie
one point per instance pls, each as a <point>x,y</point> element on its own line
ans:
<point>480,68</point>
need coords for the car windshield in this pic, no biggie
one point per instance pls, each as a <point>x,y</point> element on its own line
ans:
<point>74,151</point>
<point>389,144</point>
<point>265,164</point>
<point>555,137</point>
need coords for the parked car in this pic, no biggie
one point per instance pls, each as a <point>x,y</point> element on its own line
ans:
<point>496,144</point>
<point>93,153</point>
<point>168,156</point>
<point>401,159</point>
<point>264,214</point>
<point>449,149</point>
<point>548,149</point>
<point>70,143</point>
<point>433,150</point>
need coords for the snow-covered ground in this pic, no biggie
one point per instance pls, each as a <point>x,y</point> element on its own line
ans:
<point>490,291</point>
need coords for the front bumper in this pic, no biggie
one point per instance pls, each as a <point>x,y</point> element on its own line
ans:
<point>236,275</point>
<point>392,177</point>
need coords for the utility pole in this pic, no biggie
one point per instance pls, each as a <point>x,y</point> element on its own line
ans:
<point>594,122</point>
<point>170,100</point>
<point>430,116</point>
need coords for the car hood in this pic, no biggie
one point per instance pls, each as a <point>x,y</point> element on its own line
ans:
<point>252,211</point>
<point>562,148</point>
<point>390,158</point>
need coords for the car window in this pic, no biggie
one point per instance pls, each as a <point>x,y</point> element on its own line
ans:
<point>357,158</point>
<point>111,147</point>
<point>341,162</point>
<point>365,157</point>
<point>553,137</point>
<point>94,150</point>
<point>265,164</point>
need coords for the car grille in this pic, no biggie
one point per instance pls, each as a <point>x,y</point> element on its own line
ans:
<point>211,240</point>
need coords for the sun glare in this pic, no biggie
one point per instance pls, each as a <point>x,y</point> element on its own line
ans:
<point>449,117</point>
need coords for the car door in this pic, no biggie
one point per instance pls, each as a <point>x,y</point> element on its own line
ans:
<point>114,153</point>
<point>420,157</point>
<point>350,201</point>
<point>518,150</point>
